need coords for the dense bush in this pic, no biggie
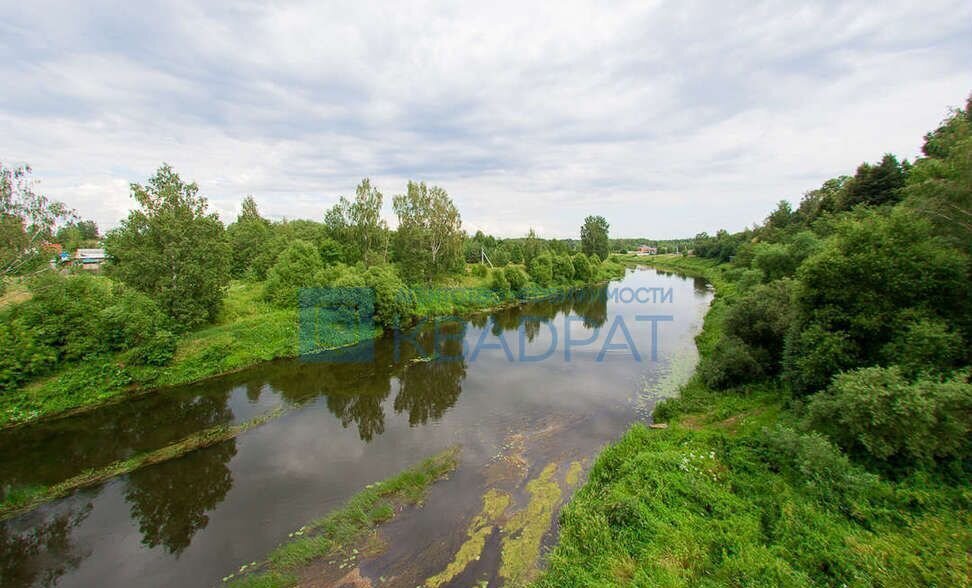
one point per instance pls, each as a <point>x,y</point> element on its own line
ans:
<point>873,277</point>
<point>395,303</point>
<point>730,363</point>
<point>761,318</point>
<point>877,414</point>
<point>583,270</point>
<point>479,270</point>
<point>540,269</point>
<point>297,267</point>
<point>516,278</point>
<point>498,283</point>
<point>563,269</point>
<point>71,318</point>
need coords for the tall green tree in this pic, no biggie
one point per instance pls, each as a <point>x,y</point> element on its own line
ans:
<point>594,237</point>
<point>429,237</point>
<point>173,249</point>
<point>368,229</point>
<point>247,237</point>
<point>940,185</point>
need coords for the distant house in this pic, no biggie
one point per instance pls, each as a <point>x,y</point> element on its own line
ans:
<point>89,259</point>
<point>647,250</point>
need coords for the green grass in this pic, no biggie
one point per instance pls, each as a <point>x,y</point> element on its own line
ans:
<point>343,530</point>
<point>733,493</point>
<point>709,507</point>
<point>20,499</point>
<point>247,332</point>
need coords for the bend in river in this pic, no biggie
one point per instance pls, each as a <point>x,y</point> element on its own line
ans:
<point>572,386</point>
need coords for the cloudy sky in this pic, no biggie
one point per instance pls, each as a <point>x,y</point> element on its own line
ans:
<point>668,118</point>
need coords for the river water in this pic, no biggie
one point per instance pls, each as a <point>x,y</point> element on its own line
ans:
<point>550,381</point>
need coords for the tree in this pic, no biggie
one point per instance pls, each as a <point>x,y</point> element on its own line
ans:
<point>77,234</point>
<point>532,247</point>
<point>865,289</point>
<point>297,267</point>
<point>429,238</point>
<point>876,184</point>
<point>247,237</point>
<point>368,229</point>
<point>594,237</point>
<point>940,185</point>
<point>173,249</point>
<point>27,220</point>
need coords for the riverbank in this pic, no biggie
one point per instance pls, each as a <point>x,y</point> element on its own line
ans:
<point>249,331</point>
<point>735,492</point>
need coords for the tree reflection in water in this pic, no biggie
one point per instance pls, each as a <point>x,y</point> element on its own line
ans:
<point>40,554</point>
<point>170,500</point>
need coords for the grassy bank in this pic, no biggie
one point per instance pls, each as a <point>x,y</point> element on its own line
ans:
<point>342,532</point>
<point>734,492</point>
<point>18,500</point>
<point>247,332</point>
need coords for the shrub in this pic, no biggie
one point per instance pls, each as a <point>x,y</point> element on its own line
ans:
<point>395,303</point>
<point>297,267</point>
<point>761,319</point>
<point>498,283</point>
<point>925,346</point>
<point>774,260</point>
<point>516,278</point>
<point>583,270</point>
<point>479,270</point>
<point>541,269</point>
<point>563,269</point>
<point>71,318</point>
<point>877,414</point>
<point>730,363</point>
<point>858,294</point>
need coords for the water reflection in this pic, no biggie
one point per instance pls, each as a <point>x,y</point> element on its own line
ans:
<point>408,382</point>
<point>42,550</point>
<point>170,500</point>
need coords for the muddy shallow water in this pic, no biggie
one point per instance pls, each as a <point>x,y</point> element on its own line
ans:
<point>352,421</point>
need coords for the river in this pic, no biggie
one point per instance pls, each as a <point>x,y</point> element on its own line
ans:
<point>573,385</point>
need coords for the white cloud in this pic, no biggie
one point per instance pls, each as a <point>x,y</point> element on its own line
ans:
<point>668,118</point>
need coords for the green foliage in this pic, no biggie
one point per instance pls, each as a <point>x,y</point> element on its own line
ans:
<point>69,319</point>
<point>594,237</point>
<point>541,269</point>
<point>27,220</point>
<point>583,270</point>
<point>395,303</point>
<point>516,278</point>
<point>704,508</point>
<point>172,249</point>
<point>761,319</point>
<point>873,277</point>
<point>940,185</point>
<point>247,237</point>
<point>925,346</point>
<point>731,363</point>
<point>498,283</point>
<point>297,267</point>
<point>562,269</point>
<point>77,234</point>
<point>479,270</point>
<point>876,184</point>
<point>878,415</point>
<point>429,237</point>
